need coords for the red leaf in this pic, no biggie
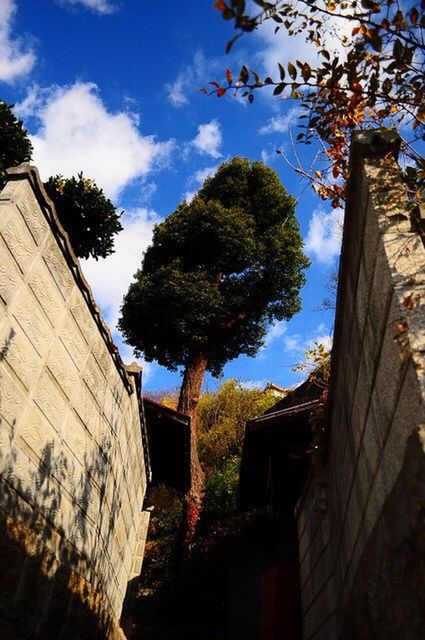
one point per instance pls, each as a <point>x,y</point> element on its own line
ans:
<point>221,92</point>
<point>220,5</point>
<point>232,41</point>
<point>229,76</point>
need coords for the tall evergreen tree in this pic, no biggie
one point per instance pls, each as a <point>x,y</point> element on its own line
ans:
<point>219,270</point>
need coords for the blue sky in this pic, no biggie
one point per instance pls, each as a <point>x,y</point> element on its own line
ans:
<point>112,88</point>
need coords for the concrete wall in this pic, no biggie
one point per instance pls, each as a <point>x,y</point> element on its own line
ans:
<point>363,563</point>
<point>72,471</point>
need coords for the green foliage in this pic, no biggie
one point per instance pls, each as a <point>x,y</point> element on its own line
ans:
<point>218,271</point>
<point>318,365</point>
<point>221,490</point>
<point>176,585</point>
<point>15,146</point>
<point>166,515</point>
<point>222,418</point>
<point>89,218</point>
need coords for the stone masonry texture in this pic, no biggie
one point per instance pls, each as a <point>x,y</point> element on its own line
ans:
<point>72,471</point>
<point>363,561</point>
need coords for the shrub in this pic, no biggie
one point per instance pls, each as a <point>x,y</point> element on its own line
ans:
<point>87,215</point>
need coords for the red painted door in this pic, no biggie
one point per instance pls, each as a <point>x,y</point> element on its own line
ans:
<point>280,612</point>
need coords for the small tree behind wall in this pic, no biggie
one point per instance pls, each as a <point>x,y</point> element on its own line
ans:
<point>219,270</point>
<point>15,146</point>
<point>87,215</point>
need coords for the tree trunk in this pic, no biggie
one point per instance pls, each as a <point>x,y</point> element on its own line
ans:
<point>188,404</point>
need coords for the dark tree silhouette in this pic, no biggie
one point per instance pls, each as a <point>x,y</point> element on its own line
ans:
<point>15,146</point>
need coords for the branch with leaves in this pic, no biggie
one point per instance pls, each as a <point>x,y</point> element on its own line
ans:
<point>378,80</point>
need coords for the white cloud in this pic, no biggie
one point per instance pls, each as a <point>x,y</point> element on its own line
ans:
<point>199,73</point>
<point>276,331</point>
<point>111,277</point>
<point>198,179</point>
<point>324,235</point>
<point>77,133</point>
<point>324,339</point>
<point>149,190</point>
<point>202,174</point>
<point>15,59</point>
<point>322,336</point>
<point>184,85</point>
<point>189,195</point>
<point>297,345</point>
<point>103,7</point>
<point>208,139</point>
<point>281,123</point>
<point>269,154</point>
<point>266,156</point>
<point>177,91</point>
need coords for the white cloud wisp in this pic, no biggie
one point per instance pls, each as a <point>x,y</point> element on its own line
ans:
<point>281,123</point>
<point>208,139</point>
<point>296,344</point>
<point>111,277</point>
<point>186,85</point>
<point>324,236</point>
<point>16,60</point>
<point>103,7</point>
<point>198,179</point>
<point>276,331</point>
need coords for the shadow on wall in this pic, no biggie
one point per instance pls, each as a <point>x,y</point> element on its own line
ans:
<point>57,522</point>
<point>40,597</point>
<point>362,567</point>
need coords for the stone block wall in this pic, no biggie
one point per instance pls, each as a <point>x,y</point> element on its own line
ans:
<point>363,562</point>
<point>72,470</point>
